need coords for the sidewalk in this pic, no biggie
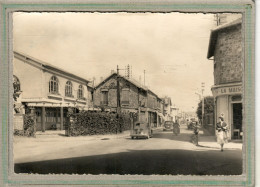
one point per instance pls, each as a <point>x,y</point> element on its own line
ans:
<point>55,133</point>
<point>211,142</point>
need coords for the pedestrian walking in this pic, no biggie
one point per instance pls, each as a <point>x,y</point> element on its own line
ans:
<point>222,129</point>
<point>195,136</point>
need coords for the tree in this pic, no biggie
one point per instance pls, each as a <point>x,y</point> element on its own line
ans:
<point>208,106</point>
<point>17,91</point>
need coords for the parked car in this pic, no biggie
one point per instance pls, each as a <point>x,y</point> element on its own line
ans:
<point>168,125</point>
<point>141,130</point>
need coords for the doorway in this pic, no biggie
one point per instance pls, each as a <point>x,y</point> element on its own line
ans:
<point>237,120</point>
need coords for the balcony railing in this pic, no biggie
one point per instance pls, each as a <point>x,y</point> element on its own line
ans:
<point>104,102</point>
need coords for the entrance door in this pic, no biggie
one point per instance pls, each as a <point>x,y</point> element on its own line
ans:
<point>38,112</point>
<point>237,120</point>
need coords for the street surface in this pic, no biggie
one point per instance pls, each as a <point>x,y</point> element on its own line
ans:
<point>163,154</point>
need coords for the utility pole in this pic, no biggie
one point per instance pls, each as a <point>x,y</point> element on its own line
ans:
<point>118,92</point>
<point>202,89</point>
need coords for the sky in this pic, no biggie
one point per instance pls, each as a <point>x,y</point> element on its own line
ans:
<point>170,47</point>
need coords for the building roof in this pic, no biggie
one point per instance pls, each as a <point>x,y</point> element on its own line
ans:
<point>214,35</point>
<point>46,66</point>
<point>167,100</point>
<point>132,81</point>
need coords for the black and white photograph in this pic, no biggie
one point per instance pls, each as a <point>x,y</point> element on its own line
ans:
<point>127,93</point>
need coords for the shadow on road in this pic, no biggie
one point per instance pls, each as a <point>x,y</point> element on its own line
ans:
<point>213,147</point>
<point>145,162</point>
<point>182,137</point>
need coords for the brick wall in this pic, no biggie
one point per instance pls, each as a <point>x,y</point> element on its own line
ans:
<point>110,86</point>
<point>152,101</point>
<point>228,56</point>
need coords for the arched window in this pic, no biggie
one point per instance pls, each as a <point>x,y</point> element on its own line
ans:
<point>54,85</point>
<point>80,92</point>
<point>68,89</point>
<point>16,84</point>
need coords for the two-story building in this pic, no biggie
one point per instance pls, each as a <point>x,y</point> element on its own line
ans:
<point>167,111</point>
<point>49,90</point>
<point>225,46</point>
<point>134,97</point>
<point>175,113</point>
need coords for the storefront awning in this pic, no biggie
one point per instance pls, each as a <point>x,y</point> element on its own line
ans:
<point>43,102</point>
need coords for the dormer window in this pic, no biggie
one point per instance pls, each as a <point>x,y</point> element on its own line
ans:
<point>54,85</point>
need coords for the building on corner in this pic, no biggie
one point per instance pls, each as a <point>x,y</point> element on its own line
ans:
<point>49,90</point>
<point>225,49</point>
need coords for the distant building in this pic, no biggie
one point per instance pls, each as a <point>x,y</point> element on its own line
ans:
<point>134,97</point>
<point>226,47</point>
<point>49,90</point>
<point>175,113</point>
<point>167,109</point>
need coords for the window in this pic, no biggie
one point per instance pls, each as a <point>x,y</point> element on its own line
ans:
<point>68,89</point>
<point>80,92</point>
<point>54,85</point>
<point>16,84</point>
<point>92,96</point>
<point>125,96</point>
<point>104,98</point>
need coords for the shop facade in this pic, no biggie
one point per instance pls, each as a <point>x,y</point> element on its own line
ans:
<point>49,91</point>
<point>228,104</point>
<point>225,49</point>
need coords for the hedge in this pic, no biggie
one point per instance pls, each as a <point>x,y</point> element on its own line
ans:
<point>28,127</point>
<point>94,123</point>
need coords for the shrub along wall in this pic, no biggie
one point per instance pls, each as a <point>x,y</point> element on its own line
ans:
<point>92,123</point>
<point>29,126</point>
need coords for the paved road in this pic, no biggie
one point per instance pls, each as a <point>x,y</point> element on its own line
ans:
<point>165,153</point>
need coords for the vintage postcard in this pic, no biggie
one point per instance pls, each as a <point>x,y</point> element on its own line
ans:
<point>127,93</point>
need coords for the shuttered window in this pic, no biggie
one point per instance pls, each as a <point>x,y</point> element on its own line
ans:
<point>125,96</point>
<point>104,97</point>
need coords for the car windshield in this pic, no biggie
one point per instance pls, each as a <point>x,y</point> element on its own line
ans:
<point>168,123</point>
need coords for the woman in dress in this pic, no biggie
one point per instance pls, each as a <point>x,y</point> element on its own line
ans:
<point>222,129</point>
